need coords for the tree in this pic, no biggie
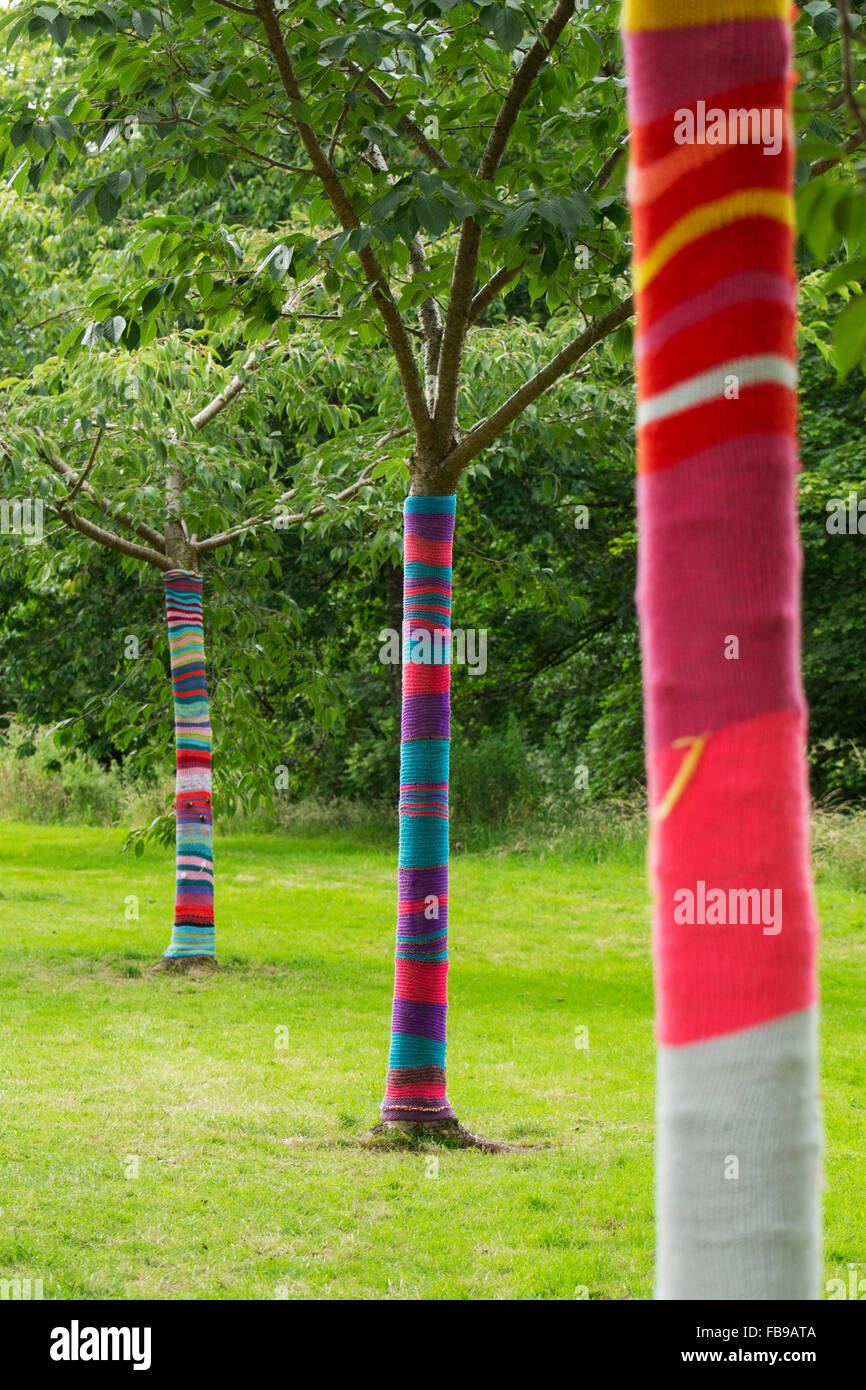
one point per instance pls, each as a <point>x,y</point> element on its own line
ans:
<point>180,555</point>
<point>738,1145</point>
<point>433,152</point>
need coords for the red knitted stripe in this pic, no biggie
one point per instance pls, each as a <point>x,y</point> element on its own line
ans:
<point>757,325</point>
<point>764,409</point>
<point>752,243</point>
<point>657,138</point>
<point>740,168</point>
<point>428,552</point>
<point>421,980</point>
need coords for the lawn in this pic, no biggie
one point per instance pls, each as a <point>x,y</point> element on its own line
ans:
<point>164,1137</point>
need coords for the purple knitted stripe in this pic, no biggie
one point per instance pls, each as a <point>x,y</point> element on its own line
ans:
<point>420,1018</point>
<point>417,1110</point>
<point>416,924</point>
<point>433,526</point>
<point>419,950</point>
<point>426,716</point>
<point>421,883</point>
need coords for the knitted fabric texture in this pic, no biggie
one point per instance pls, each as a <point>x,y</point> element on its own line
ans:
<point>415,1086</point>
<point>710,186</point>
<point>193,933</point>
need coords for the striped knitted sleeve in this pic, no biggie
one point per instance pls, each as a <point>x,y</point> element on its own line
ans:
<point>415,1088</point>
<point>193,932</point>
<point>710,187</point>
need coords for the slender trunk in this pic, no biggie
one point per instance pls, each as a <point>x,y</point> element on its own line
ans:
<point>415,1089</point>
<point>193,933</point>
<point>718,594</point>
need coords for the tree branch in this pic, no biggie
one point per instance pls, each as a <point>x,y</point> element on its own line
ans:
<point>83,476</point>
<point>489,430</point>
<point>469,243</point>
<point>108,538</point>
<point>231,392</point>
<point>495,285</point>
<point>407,125</point>
<point>226,537</point>
<point>78,483</point>
<point>332,185</point>
<point>847,73</point>
<point>848,146</point>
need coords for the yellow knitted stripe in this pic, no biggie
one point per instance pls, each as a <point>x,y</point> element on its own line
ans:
<point>748,202</point>
<point>639,15</point>
<point>685,774</point>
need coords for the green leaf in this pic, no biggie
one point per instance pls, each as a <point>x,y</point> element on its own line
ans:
<point>849,337</point>
<point>112,328</point>
<point>434,216</point>
<point>277,262</point>
<point>507,28</point>
<point>60,29</point>
<point>850,273</point>
<point>20,131</point>
<point>43,136</point>
<point>143,23</point>
<point>107,205</point>
<point>514,221</point>
<point>816,201</point>
<point>62,127</point>
<point>118,181</point>
<point>82,198</point>
<point>230,241</point>
<point>151,299</point>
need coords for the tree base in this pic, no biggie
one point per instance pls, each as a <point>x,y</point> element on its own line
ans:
<point>186,965</point>
<point>413,1134</point>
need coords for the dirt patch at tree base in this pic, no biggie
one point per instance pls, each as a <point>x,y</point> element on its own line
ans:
<point>185,965</point>
<point>417,1134</point>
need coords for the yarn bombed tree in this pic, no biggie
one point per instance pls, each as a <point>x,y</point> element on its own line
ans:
<point>422,162</point>
<point>181,558</point>
<point>719,565</point>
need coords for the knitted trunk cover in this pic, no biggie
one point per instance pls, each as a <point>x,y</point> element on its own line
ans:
<point>193,933</point>
<point>719,601</point>
<point>415,1087</point>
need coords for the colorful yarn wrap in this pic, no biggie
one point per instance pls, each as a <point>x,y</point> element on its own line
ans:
<point>738,1137</point>
<point>415,1086</point>
<point>193,933</point>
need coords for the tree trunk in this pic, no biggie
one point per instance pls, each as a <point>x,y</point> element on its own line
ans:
<point>193,933</point>
<point>415,1090</point>
<point>718,594</point>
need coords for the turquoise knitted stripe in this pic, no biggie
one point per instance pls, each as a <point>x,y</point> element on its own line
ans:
<point>423,842</point>
<point>419,569</point>
<point>412,1050</point>
<point>424,760</point>
<point>430,504</point>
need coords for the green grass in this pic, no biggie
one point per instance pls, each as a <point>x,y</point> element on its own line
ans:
<point>249,1183</point>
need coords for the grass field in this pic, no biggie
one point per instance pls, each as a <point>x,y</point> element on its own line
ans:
<point>164,1137</point>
